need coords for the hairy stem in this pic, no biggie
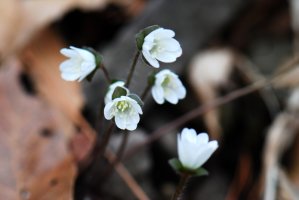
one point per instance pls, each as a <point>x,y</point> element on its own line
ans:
<point>180,187</point>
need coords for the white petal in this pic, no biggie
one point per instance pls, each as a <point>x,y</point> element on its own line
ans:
<point>152,61</point>
<point>70,76</point>
<point>202,138</point>
<point>108,114</point>
<point>111,89</point>
<point>171,45</point>
<point>131,126</point>
<point>189,135</point>
<point>68,66</point>
<point>158,94</point>
<point>166,57</point>
<point>132,122</point>
<point>181,92</point>
<point>68,52</point>
<point>213,145</point>
<point>86,55</point>
<point>136,107</point>
<point>177,53</point>
<point>171,96</point>
<point>120,121</point>
<point>204,156</point>
<point>88,66</point>
<point>162,33</point>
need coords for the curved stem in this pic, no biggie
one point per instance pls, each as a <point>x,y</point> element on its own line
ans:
<point>180,187</point>
<point>132,69</point>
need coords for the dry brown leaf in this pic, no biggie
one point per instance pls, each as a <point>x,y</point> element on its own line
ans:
<point>20,20</point>
<point>42,58</point>
<point>281,136</point>
<point>36,162</point>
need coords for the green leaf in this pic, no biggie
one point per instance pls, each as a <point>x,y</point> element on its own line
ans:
<point>201,172</point>
<point>175,164</point>
<point>118,92</point>
<point>142,34</point>
<point>136,98</point>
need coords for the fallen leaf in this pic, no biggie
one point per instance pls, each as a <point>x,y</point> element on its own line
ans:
<point>21,20</point>
<point>36,161</point>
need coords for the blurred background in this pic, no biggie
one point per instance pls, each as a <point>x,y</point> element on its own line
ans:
<point>239,65</point>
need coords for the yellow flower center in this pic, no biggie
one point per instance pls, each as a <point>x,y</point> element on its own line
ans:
<point>122,106</point>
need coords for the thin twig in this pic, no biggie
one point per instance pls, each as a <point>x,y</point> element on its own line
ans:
<point>118,157</point>
<point>132,69</point>
<point>180,187</point>
<point>127,178</point>
<point>123,144</point>
<point>105,139</point>
<point>195,113</point>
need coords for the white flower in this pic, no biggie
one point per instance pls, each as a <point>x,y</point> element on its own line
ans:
<point>160,45</point>
<point>194,150</point>
<point>111,89</point>
<point>126,112</point>
<point>80,63</point>
<point>168,87</point>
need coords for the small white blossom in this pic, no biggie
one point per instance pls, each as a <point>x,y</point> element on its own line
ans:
<point>111,89</point>
<point>194,150</point>
<point>79,65</point>
<point>168,87</point>
<point>126,112</point>
<point>160,45</point>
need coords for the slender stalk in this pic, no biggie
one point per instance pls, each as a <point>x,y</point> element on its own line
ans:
<point>118,156</point>
<point>180,187</point>
<point>121,149</point>
<point>106,74</point>
<point>127,178</point>
<point>105,139</point>
<point>132,69</point>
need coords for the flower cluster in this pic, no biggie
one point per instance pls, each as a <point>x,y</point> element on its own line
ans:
<point>126,112</point>
<point>123,108</point>
<point>157,44</point>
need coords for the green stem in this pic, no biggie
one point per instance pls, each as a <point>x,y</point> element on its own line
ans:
<point>180,187</point>
<point>132,69</point>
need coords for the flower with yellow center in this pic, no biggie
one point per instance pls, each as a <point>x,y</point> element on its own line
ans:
<point>125,111</point>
